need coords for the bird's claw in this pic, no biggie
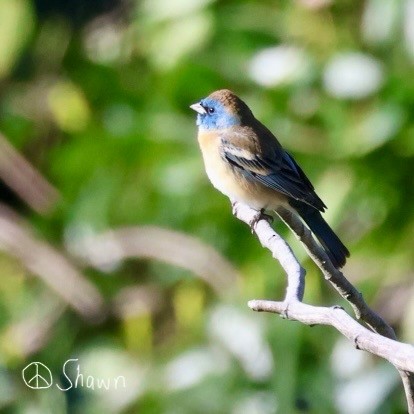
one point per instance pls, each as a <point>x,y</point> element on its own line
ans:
<point>234,208</point>
<point>261,215</point>
<point>285,312</point>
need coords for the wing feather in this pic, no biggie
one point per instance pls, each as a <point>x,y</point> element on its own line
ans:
<point>278,171</point>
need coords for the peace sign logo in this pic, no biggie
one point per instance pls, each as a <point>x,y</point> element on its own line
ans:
<point>37,376</point>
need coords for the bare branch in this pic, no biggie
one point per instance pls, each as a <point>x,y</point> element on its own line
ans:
<point>30,334</point>
<point>334,276</point>
<point>401,355</point>
<point>168,246</point>
<point>280,250</point>
<point>50,266</point>
<point>25,180</point>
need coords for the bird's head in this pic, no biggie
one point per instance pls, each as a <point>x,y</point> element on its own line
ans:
<point>222,109</point>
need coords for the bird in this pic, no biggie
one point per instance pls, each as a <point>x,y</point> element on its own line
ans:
<point>246,162</point>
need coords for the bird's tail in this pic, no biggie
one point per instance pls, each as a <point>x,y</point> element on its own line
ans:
<point>334,248</point>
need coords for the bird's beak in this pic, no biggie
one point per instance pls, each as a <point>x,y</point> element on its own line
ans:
<point>198,108</point>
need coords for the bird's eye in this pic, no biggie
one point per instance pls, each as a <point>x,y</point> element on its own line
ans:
<point>210,110</point>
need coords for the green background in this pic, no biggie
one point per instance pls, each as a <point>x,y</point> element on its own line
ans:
<point>95,96</point>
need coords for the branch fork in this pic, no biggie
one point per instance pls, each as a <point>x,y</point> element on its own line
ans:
<point>377,337</point>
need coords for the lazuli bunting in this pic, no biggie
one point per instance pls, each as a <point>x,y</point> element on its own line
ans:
<point>246,162</point>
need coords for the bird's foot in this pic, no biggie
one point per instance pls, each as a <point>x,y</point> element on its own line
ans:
<point>261,215</point>
<point>284,314</point>
<point>234,208</point>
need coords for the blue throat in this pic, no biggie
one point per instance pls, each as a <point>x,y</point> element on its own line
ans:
<point>220,119</point>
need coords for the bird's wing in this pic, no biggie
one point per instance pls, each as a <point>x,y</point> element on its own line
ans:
<point>275,169</point>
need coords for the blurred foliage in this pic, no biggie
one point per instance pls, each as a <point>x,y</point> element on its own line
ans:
<point>95,95</point>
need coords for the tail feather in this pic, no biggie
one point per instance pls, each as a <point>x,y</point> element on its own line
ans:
<point>331,243</point>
